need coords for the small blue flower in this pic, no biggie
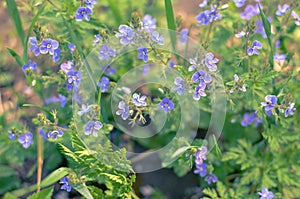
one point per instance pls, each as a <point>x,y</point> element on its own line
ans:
<point>56,133</point>
<point>71,47</point>
<point>250,11</point>
<point>90,3</point>
<point>194,63</point>
<point>166,105</point>
<point>200,155</point>
<point>49,46</point>
<point>290,110</point>
<point>184,35</point>
<point>179,85</point>
<point>250,118</point>
<point>214,15</point>
<point>26,140</point>
<point>203,18</point>
<point>199,92</point>
<point>43,134</point>
<point>201,77</point>
<point>92,128</point>
<point>12,136</point>
<point>211,178</point>
<point>67,67</point>
<point>125,34</point>
<point>282,9</point>
<point>56,55</point>
<point>240,34</point>
<point>106,52</point>
<point>203,4</point>
<point>34,46</point>
<point>159,39</point>
<point>265,194</point>
<point>61,99</point>
<point>269,104</point>
<point>104,84</point>
<point>172,64</point>
<point>123,110</point>
<point>149,23</point>
<point>83,13</point>
<point>66,184</point>
<point>146,69</point>
<point>73,81</point>
<point>254,48</point>
<point>97,40</point>
<point>138,100</point>
<point>201,169</point>
<point>210,62</point>
<point>109,70</point>
<point>239,3</point>
<point>280,57</point>
<point>296,18</point>
<point>31,66</point>
<point>143,53</point>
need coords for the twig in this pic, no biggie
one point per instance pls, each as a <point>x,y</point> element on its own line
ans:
<point>40,162</point>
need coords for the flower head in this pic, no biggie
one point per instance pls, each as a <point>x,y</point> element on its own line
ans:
<point>211,178</point>
<point>200,155</point>
<point>106,52</point>
<point>240,34</point>
<point>201,78</point>
<point>290,110</point>
<point>280,57</point>
<point>239,3</point>
<point>159,39</point>
<point>201,169</point>
<point>92,128</point>
<point>123,110</point>
<point>282,9</point>
<point>11,135</point>
<point>67,67</point>
<point>34,46</point>
<point>84,109</point>
<point>199,92</point>
<point>254,48</point>
<point>31,66</point>
<point>26,140</point>
<point>203,17</point>
<point>109,70</point>
<point>43,134</point>
<point>184,35</point>
<point>74,79</point>
<point>142,53</point>
<point>166,105</point>
<point>97,40</point>
<point>90,3</point>
<point>210,62</point>
<point>296,18</point>
<point>104,84</point>
<point>203,4</point>
<point>49,46</point>
<point>269,104</point>
<point>61,99</point>
<point>125,34</point>
<point>83,13</point>
<point>250,118</point>
<point>179,85</point>
<point>66,185</point>
<point>139,100</point>
<point>56,55</point>
<point>266,194</point>
<point>71,47</point>
<point>56,133</point>
<point>250,11</point>
<point>149,23</point>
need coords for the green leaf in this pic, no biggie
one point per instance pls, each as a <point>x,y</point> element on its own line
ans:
<point>83,190</point>
<point>45,194</point>
<point>16,56</point>
<point>9,196</point>
<point>38,107</point>
<point>180,151</point>
<point>15,16</point>
<point>171,22</point>
<point>55,176</point>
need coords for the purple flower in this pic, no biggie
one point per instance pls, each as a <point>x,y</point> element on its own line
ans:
<point>210,62</point>
<point>138,100</point>
<point>250,11</point>
<point>143,53</point>
<point>172,64</point>
<point>146,69</point>
<point>72,47</point>
<point>34,46</point>
<point>239,3</point>
<point>184,35</point>
<point>97,40</point>
<point>260,27</point>
<point>106,52</point>
<point>159,39</point>
<point>11,135</point>
<point>149,23</point>
<point>92,128</point>
<point>203,18</point>
<point>269,104</point>
<point>240,34</point>
<point>211,178</point>
<point>61,99</point>
<point>290,110</point>
<point>31,66</point>
<point>214,15</point>
<point>280,57</point>
<point>83,13</point>
<point>179,85</point>
<point>90,3</point>
<point>125,34</point>
<point>104,84</point>
<point>109,70</point>
<point>123,110</point>
<point>26,140</point>
<point>166,105</point>
<point>200,155</point>
<point>199,92</point>
<point>296,17</point>
<point>282,9</point>
<point>265,194</point>
<point>67,67</point>
<point>73,80</point>
<point>49,46</point>
<point>55,133</point>
<point>43,134</point>
<point>56,55</point>
<point>66,184</point>
<point>203,4</point>
<point>194,64</point>
<point>201,169</point>
<point>201,77</point>
<point>253,49</point>
<point>250,118</point>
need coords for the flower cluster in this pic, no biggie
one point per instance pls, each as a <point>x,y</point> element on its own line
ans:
<point>66,185</point>
<point>208,16</point>
<point>85,12</point>
<point>271,104</point>
<point>266,194</point>
<point>250,11</point>
<point>26,140</point>
<point>250,118</point>
<point>48,46</point>
<point>254,48</point>
<point>282,9</point>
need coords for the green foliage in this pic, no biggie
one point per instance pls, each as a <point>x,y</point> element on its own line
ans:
<point>45,194</point>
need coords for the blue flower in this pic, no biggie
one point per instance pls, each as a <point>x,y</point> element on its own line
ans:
<point>296,18</point>
<point>260,27</point>
<point>125,34</point>
<point>90,3</point>
<point>31,66</point>
<point>240,34</point>
<point>210,62</point>
<point>166,105</point>
<point>43,134</point>
<point>250,118</point>
<point>55,133</point>
<point>143,53</point>
<point>211,178</point>
<point>253,49</point>
<point>49,46</point>
<point>61,99</point>
<point>282,9</point>
<point>199,92</point>
<point>194,64</point>
<point>11,135</point>
<point>97,40</point>
<point>214,15</point>
<point>203,17</point>
<point>104,84</point>
<point>123,110</point>
<point>290,110</point>
<point>203,4</point>
<point>106,52</point>
<point>179,85</point>
<point>250,11</point>
<point>201,77</point>
<point>184,35</point>
<point>67,67</point>
<point>200,155</point>
<point>280,57</point>
<point>83,13</point>
<point>159,39</point>
<point>109,70</point>
<point>146,69</point>
<point>73,80</point>
<point>92,128</point>
<point>34,46</point>
<point>66,184</point>
<point>26,140</point>
<point>138,100</point>
<point>269,104</point>
<point>172,64</point>
<point>72,47</point>
<point>239,3</point>
<point>56,55</point>
<point>265,194</point>
<point>149,23</point>
<point>201,169</point>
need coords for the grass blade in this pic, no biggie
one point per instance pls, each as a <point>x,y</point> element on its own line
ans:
<point>171,22</point>
<point>16,56</point>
